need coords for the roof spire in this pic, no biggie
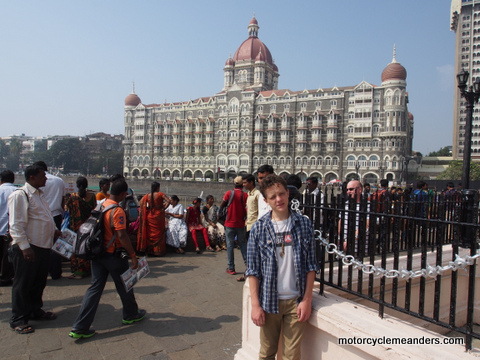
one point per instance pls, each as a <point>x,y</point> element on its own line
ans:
<point>253,28</point>
<point>133,87</point>
<point>394,60</point>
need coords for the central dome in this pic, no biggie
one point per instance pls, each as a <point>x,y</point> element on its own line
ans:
<point>253,46</point>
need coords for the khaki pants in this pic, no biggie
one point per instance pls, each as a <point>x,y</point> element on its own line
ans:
<point>286,320</point>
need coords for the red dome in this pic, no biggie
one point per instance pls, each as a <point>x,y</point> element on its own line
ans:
<point>132,100</point>
<point>250,49</point>
<point>229,62</point>
<point>410,116</point>
<point>394,71</point>
<point>253,21</point>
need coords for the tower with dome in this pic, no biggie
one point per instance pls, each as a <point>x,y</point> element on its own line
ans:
<point>363,130</point>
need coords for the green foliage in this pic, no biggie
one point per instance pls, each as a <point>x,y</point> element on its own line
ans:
<point>444,151</point>
<point>69,154</point>
<point>454,171</point>
<point>10,154</point>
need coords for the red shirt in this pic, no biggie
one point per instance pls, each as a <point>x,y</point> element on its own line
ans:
<point>237,211</point>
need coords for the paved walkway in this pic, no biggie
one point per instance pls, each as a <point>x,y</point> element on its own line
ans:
<point>193,312</point>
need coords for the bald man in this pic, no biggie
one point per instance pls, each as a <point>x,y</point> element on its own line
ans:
<point>354,193</point>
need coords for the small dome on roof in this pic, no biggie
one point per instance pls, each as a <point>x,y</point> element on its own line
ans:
<point>229,62</point>
<point>253,21</point>
<point>394,70</point>
<point>410,116</point>
<point>132,100</point>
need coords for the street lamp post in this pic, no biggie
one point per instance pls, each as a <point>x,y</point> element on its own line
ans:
<point>357,167</point>
<point>471,96</point>
<point>382,167</point>
<point>406,161</point>
<point>468,233</point>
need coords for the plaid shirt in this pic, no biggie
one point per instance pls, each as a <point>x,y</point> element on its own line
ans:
<point>262,260</point>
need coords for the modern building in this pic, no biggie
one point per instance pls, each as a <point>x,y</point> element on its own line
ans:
<point>361,130</point>
<point>465,22</point>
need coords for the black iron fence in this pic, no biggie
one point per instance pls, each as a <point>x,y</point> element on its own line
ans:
<point>413,254</point>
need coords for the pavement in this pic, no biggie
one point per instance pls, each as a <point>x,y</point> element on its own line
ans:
<point>194,312</point>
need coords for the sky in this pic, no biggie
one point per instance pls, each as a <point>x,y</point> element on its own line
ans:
<point>67,66</point>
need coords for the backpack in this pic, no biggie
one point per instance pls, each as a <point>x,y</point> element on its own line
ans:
<point>90,236</point>
<point>222,212</point>
<point>131,207</point>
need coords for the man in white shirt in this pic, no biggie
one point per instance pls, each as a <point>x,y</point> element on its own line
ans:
<point>7,177</point>
<point>262,172</point>
<point>54,192</point>
<point>33,232</point>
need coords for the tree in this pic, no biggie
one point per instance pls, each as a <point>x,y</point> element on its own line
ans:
<point>12,160</point>
<point>3,153</point>
<point>69,154</point>
<point>444,151</point>
<point>454,171</point>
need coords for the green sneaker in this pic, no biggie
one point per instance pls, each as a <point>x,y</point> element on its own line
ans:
<point>136,318</point>
<point>81,334</point>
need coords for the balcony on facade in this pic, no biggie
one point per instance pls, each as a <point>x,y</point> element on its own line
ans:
<point>302,125</point>
<point>285,125</point>
<point>316,124</point>
<point>332,123</point>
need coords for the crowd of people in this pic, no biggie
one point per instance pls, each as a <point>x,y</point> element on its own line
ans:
<point>276,244</point>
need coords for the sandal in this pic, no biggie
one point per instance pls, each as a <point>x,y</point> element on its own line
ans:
<point>23,329</point>
<point>209,248</point>
<point>197,250</point>
<point>241,278</point>
<point>179,251</point>
<point>45,315</point>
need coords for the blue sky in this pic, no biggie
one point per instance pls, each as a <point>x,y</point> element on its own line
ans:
<point>67,66</point>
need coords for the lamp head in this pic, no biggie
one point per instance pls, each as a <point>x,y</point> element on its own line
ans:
<point>462,78</point>
<point>476,85</point>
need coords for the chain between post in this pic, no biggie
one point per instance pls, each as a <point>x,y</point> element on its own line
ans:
<point>430,271</point>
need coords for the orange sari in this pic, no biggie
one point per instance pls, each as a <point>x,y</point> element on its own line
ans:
<point>151,231</point>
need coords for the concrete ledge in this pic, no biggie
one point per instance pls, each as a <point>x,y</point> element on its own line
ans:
<point>334,317</point>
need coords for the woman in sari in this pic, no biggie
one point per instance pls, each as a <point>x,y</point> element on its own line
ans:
<point>194,224</point>
<point>151,230</point>
<point>177,229</point>
<point>79,206</point>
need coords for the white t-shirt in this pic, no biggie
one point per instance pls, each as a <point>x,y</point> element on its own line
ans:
<point>286,280</point>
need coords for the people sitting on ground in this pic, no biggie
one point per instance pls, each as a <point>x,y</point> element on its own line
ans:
<point>79,206</point>
<point>177,230</point>
<point>151,230</point>
<point>194,224</point>
<point>216,231</point>
<point>104,185</point>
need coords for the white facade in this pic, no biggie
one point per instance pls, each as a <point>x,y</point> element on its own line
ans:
<point>332,133</point>
<point>465,22</point>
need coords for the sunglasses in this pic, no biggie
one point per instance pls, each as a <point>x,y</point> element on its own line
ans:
<point>351,189</point>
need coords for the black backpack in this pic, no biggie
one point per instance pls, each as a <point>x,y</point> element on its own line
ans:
<point>89,244</point>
